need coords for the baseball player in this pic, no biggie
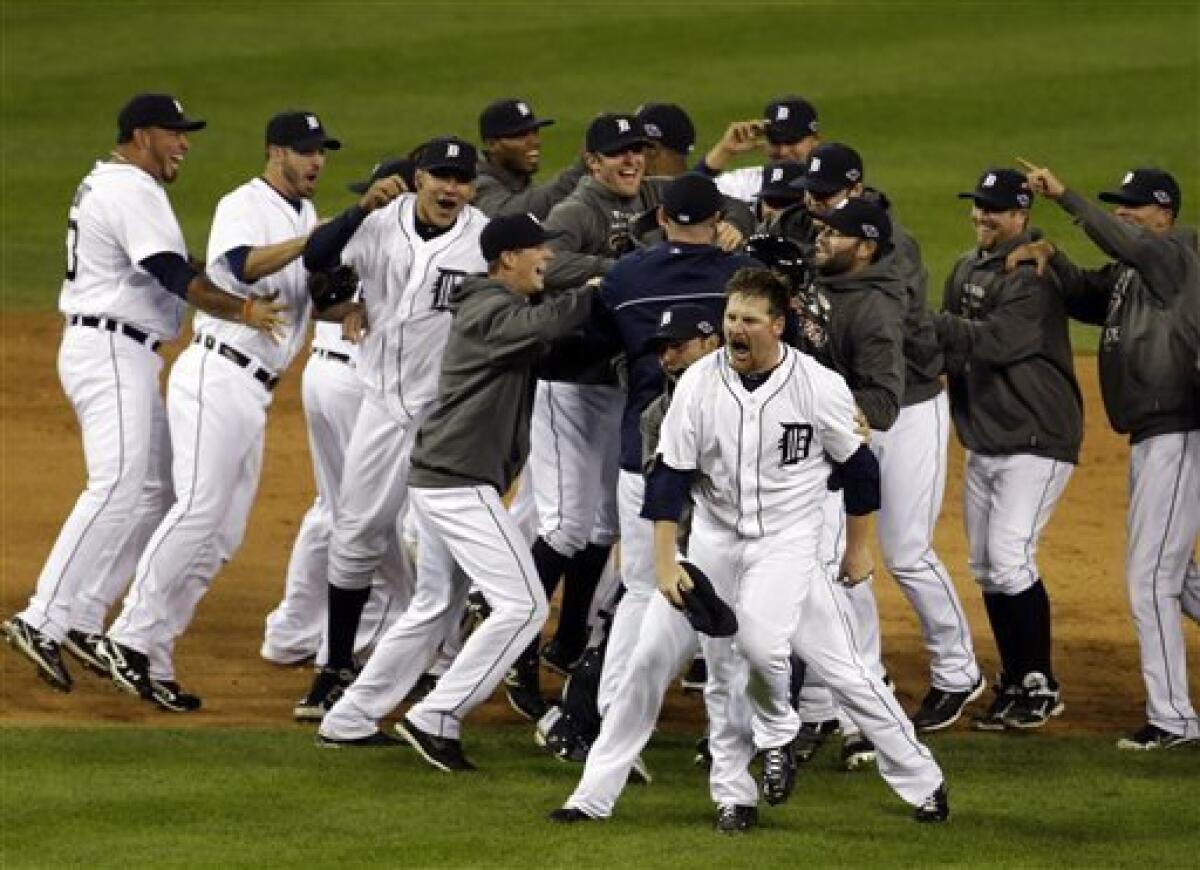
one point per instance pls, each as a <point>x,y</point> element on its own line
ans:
<point>512,152</point>
<point>217,400</point>
<point>410,251</point>
<point>780,204</point>
<point>332,392</point>
<point>1019,414</point>
<point>1147,380</point>
<point>911,449</point>
<point>128,279</point>
<point>788,130</point>
<point>576,421</point>
<point>751,433</point>
<point>690,266</point>
<point>467,454</point>
<point>671,138</point>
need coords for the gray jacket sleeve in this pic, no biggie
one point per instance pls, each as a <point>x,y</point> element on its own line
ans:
<point>876,364</point>
<point>1010,332</point>
<point>1160,260</point>
<point>581,233</point>
<point>494,199</point>
<point>512,328</point>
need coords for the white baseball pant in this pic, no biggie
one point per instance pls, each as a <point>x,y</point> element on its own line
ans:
<point>470,526</point>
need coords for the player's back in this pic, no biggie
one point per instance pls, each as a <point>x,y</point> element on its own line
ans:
<point>120,216</point>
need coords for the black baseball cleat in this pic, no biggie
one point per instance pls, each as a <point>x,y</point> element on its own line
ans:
<point>444,753</point>
<point>524,696</point>
<point>857,752</point>
<point>128,668</point>
<point>778,774</point>
<point>693,681</point>
<point>992,719</point>
<point>569,816</point>
<point>812,736</point>
<point>703,755</point>
<point>374,740</point>
<point>170,696</point>
<point>556,734</point>
<point>1150,737</point>
<point>85,648</point>
<point>735,819</point>
<point>1034,704</point>
<point>941,709</point>
<point>327,686</point>
<point>41,649</point>
<point>935,808</point>
<point>558,659</point>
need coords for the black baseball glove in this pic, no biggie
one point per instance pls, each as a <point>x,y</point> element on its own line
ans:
<point>328,289</point>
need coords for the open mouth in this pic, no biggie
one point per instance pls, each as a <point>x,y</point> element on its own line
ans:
<point>447,203</point>
<point>739,349</point>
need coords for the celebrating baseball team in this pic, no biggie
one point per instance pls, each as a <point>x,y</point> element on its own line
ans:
<point>695,398</point>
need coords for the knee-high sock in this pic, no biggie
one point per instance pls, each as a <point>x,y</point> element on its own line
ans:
<point>583,574</point>
<point>1030,624</point>
<point>345,611</point>
<point>998,615</point>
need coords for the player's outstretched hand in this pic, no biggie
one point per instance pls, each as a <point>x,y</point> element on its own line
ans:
<point>858,566</point>
<point>354,324</point>
<point>729,237</point>
<point>382,192</point>
<point>1041,180</point>
<point>1038,253</point>
<point>673,582</point>
<point>265,314</point>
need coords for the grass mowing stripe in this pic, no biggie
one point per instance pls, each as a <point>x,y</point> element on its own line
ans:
<point>120,796</point>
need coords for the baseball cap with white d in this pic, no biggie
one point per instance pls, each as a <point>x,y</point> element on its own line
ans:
<point>860,219</point>
<point>1146,187</point>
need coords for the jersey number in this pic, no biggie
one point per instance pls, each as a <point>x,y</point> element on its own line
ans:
<point>73,232</point>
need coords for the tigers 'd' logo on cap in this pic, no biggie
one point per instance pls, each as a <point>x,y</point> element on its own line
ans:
<point>782,113</point>
<point>777,174</point>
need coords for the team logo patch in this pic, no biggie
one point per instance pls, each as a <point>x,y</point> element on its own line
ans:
<point>666,318</point>
<point>782,113</point>
<point>795,442</point>
<point>1126,180</point>
<point>776,174</point>
<point>443,286</point>
<point>870,231</point>
<point>653,130</point>
<point>814,165</point>
<point>853,174</point>
<point>524,110</point>
<point>623,126</point>
<point>451,150</point>
<point>989,180</point>
<point>1162,197</point>
<point>1023,200</point>
<point>313,123</point>
<point>178,106</point>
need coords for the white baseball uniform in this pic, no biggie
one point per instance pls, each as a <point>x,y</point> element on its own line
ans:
<point>406,288</point>
<point>762,456</point>
<point>217,399</point>
<point>742,183</point>
<point>116,314</point>
<point>332,393</point>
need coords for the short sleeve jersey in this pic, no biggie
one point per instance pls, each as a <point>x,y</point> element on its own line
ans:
<point>762,455</point>
<point>255,215</point>
<point>406,287</point>
<point>120,215</point>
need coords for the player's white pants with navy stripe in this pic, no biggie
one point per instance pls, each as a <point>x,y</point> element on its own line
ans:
<point>332,392</point>
<point>112,384</point>
<point>373,492</point>
<point>785,600</point>
<point>1164,584</point>
<point>665,645</point>
<point>637,572</point>
<point>574,454</point>
<point>912,466</point>
<point>470,526</point>
<point>217,415</point>
<point>1007,502</point>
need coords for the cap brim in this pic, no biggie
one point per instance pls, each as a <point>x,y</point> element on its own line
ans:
<point>358,186</point>
<point>183,125</point>
<point>785,192</point>
<point>819,186</point>
<point>624,142</point>
<point>982,199</point>
<point>313,143</point>
<point>1116,197</point>
<point>457,167</point>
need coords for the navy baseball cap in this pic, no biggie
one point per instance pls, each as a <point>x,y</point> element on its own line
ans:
<point>1001,190</point>
<point>790,119</point>
<point>831,167</point>
<point>704,608</point>
<point>449,153</point>
<point>691,198</point>
<point>777,181</point>
<point>612,133</point>
<point>512,232</point>
<point>1147,187</point>
<point>402,166</point>
<point>668,125</point>
<point>861,219</point>
<point>509,117</point>
<point>301,131</point>
<point>154,110</point>
<point>680,322</point>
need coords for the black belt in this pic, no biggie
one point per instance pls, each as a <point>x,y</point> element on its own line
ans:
<point>114,326</point>
<point>331,354</point>
<point>235,356</point>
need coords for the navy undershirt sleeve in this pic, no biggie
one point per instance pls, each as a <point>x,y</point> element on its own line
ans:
<point>236,259</point>
<point>172,271</point>
<point>324,248</point>
<point>859,477</point>
<point>666,490</point>
<point>704,169</point>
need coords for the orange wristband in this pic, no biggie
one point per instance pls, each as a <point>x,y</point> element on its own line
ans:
<point>247,307</point>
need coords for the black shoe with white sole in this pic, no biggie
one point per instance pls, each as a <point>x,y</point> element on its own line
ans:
<point>812,736</point>
<point>444,753</point>
<point>569,816</point>
<point>41,649</point>
<point>942,708</point>
<point>86,650</point>
<point>128,668</point>
<point>374,740</point>
<point>327,686</point>
<point>1035,703</point>
<point>735,818</point>
<point>170,696</point>
<point>778,774</point>
<point>935,808</point>
<point>857,752</point>
<point>992,719</point>
<point>1150,737</point>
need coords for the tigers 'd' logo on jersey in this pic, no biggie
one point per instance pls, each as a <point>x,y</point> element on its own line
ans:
<point>443,286</point>
<point>795,442</point>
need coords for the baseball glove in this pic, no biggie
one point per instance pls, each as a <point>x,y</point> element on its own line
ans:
<point>330,289</point>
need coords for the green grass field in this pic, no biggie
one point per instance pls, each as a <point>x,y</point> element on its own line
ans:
<point>253,798</point>
<point>930,93</point>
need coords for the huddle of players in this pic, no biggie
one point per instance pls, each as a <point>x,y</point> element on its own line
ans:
<point>1001,340</point>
